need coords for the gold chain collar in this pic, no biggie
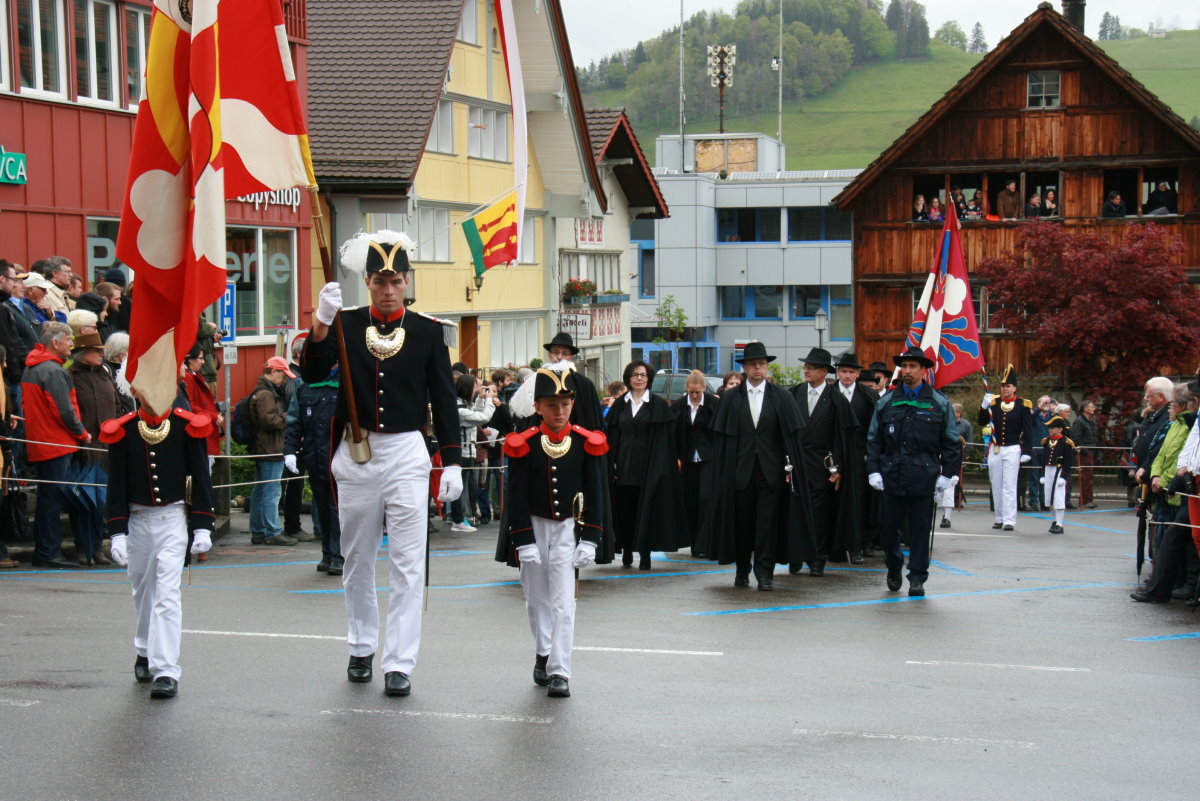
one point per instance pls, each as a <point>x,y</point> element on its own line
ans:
<point>556,450</point>
<point>154,434</point>
<point>385,346</point>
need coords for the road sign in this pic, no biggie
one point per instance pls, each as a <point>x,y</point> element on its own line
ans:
<point>229,354</point>
<point>226,307</point>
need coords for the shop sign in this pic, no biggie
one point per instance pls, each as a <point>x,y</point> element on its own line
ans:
<point>12,167</point>
<point>579,326</point>
<point>276,197</point>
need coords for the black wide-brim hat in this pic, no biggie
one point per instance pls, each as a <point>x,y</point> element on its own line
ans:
<point>849,359</point>
<point>819,357</point>
<point>562,339</point>
<point>755,350</point>
<point>913,354</point>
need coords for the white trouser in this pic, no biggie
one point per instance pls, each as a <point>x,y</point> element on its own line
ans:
<point>157,542</point>
<point>391,490</point>
<point>550,593</point>
<point>1055,492</point>
<point>944,500</point>
<point>1004,465</point>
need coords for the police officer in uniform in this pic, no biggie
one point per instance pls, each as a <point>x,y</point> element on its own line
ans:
<point>154,464</point>
<point>398,364</point>
<point>912,450</point>
<point>555,481</point>
<point>1011,419</point>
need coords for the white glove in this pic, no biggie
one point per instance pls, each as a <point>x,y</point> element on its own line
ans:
<point>1025,457</point>
<point>1042,480</point>
<point>451,485</point>
<point>585,553</point>
<point>876,481</point>
<point>528,554</point>
<point>944,483</point>
<point>120,553</point>
<point>289,461</point>
<point>201,541</point>
<point>987,400</point>
<point>329,302</point>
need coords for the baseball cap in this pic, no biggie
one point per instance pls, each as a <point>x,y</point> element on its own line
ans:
<point>279,363</point>
<point>36,281</point>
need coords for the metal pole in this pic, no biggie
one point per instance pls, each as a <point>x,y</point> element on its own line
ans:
<point>779,132</point>
<point>682,95</point>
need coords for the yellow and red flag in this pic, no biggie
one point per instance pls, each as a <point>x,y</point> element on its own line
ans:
<point>492,234</point>
<point>220,118</point>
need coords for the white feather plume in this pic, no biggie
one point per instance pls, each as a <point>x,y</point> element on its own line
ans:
<point>353,252</point>
<point>521,404</point>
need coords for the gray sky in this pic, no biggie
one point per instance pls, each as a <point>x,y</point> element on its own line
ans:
<point>600,28</point>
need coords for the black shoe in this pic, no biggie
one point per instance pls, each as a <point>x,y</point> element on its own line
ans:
<point>57,563</point>
<point>996,525</point>
<point>945,522</point>
<point>1007,527</point>
<point>1022,508</point>
<point>257,540</point>
<point>336,564</point>
<point>816,568</point>
<point>1056,529</point>
<point>741,580</point>
<point>164,687</point>
<point>856,559</point>
<point>1183,593</point>
<point>323,565</point>
<point>1146,598</point>
<point>359,670</point>
<point>916,589</point>
<point>484,520</point>
<point>644,563</point>
<point>540,677</point>
<point>627,559</point>
<point>141,670</point>
<point>766,585</point>
<point>396,683</point>
<point>894,581</point>
<point>558,687</point>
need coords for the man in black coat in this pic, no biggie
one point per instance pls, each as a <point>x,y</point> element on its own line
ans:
<point>826,440</point>
<point>762,514</point>
<point>862,401</point>
<point>694,414</point>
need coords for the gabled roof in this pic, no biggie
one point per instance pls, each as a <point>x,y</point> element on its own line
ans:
<point>376,70</point>
<point>1045,15</point>
<point>613,140</point>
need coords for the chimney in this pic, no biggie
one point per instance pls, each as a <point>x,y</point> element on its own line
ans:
<point>1073,11</point>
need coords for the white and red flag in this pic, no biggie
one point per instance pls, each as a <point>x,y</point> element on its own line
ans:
<point>220,118</point>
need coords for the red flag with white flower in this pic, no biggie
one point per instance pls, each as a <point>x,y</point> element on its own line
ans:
<point>220,118</point>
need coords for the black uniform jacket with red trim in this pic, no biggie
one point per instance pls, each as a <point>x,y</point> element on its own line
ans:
<point>540,485</point>
<point>391,394</point>
<point>156,475</point>
<point>1014,427</point>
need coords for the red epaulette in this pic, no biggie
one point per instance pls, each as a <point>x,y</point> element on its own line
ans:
<point>517,444</point>
<point>114,430</point>
<point>199,424</point>
<point>595,442</point>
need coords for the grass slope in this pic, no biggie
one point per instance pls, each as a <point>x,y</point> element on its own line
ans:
<point>851,124</point>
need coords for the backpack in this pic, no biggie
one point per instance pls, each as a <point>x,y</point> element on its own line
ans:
<point>241,426</point>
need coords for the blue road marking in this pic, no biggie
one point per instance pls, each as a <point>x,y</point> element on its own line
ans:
<point>1161,637</point>
<point>957,571</point>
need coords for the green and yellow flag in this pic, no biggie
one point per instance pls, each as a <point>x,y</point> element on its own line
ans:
<point>492,234</point>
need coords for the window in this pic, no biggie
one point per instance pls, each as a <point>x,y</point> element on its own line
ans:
<point>818,223</point>
<point>42,45</point>
<point>261,263</point>
<point>101,248</point>
<point>1157,199</point>
<point>4,45</point>
<point>514,341</point>
<point>805,301</point>
<point>137,35</point>
<point>748,225</point>
<point>646,268</point>
<point>751,302</point>
<point>441,133</point>
<point>468,27</point>
<point>528,242</point>
<point>487,136</point>
<point>1124,182</point>
<point>1043,89</point>
<point>602,268</point>
<point>433,234</point>
<point>96,50</point>
<point>841,312</point>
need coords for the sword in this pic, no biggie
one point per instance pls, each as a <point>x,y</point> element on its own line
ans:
<point>577,513</point>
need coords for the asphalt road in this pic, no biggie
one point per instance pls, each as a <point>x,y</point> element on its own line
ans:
<point>1025,673</point>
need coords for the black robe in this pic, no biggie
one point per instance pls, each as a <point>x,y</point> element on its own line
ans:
<point>863,406</point>
<point>794,542</point>
<point>661,520</point>
<point>830,429</point>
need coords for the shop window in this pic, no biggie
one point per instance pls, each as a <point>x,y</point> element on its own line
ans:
<point>1125,183</point>
<point>768,302</point>
<point>261,263</point>
<point>646,272</point>
<point>441,132</point>
<point>96,51</point>
<point>818,224</point>
<point>433,234</point>
<point>487,136</point>
<point>468,27</point>
<point>1042,89</point>
<point>101,248</point>
<point>137,35</point>
<point>748,225</point>
<point>41,44</point>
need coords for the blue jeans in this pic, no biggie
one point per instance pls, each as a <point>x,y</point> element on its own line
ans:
<point>47,528</point>
<point>264,500</point>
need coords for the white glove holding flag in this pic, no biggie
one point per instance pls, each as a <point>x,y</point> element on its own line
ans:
<point>201,541</point>
<point>528,554</point>
<point>289,461</point>
<point>329,302</point>
<point>987,400</point>
<point>1025,457</point>
<point>451,485</point>
<point>944,483</point>
<point>876,481</point>
<point>585,553</point>
<point>120,553</point>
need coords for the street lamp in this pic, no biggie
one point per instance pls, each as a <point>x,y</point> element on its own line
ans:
<point>478,286</point>
<point>820,322</point>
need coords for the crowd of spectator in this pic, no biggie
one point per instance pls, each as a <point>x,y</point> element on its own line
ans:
<point>1044,204</point>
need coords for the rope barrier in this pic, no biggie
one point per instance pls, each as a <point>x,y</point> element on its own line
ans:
<point>79,447</point>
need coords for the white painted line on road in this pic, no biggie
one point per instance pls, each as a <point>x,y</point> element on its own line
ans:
<point>648,651</point>
<point>414,713</point>
<point>994,665</point>
<point>960,534</point>
<point>18,702</point>
<point>267,634</point>
<point>912,738</point>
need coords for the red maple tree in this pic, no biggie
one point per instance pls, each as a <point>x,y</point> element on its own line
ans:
<point>1113,312</point>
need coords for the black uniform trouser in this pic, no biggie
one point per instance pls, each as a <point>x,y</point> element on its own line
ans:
<point>757,521</point>
<point>824,505</point>
<point>293,495</point>
<point>693,487</point>
<point>627,504</point>
<point>914,513</point>
<point>324,510</point>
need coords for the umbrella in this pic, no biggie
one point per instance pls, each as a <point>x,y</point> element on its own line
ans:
<point>1141,532</point>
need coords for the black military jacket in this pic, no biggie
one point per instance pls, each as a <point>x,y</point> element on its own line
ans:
<point>391,394</point>
<point>1014,427</point>
<point>156,474</point>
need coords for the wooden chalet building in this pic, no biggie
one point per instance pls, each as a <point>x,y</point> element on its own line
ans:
<point>1048,108</point>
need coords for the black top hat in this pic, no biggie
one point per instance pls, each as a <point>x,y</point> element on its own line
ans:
<point>755,350</point>
<point>913,354</point>
<point>819,357</point>
<point>1009,376</point>
<point>1057,422</point>
<point>849,359</point>
<point>563,339</point>
<point>549,383</point>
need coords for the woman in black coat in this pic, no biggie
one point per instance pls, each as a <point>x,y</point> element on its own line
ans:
<point>647,494</point>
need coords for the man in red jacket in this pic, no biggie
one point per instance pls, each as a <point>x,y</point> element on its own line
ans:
<point>55,432</point>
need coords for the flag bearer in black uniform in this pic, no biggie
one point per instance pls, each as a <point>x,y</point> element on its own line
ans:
<point>151,509</point>
<point>399,366</point>
<point>1011,419</point>
<point>555,480</point>
<point>1058,457</point>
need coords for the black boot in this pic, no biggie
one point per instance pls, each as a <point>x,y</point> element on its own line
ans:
<point>540,677</point>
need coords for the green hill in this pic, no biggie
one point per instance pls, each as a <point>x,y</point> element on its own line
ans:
<point>1168,67</point>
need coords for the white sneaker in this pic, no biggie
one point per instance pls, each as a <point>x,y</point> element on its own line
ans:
<point>463,526</point>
